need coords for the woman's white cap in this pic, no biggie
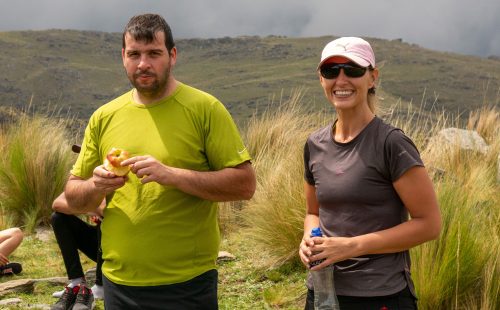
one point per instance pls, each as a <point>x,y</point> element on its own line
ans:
<point>352,48</point>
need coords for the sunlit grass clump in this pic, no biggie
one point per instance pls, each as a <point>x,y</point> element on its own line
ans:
<point>34,167</point>
<point>461,269</point>
<point>274,217</point>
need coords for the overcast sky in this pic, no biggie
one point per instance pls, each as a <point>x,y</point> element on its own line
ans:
<point>461,26</point>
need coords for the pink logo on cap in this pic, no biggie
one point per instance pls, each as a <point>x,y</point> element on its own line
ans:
<point>352,48</point>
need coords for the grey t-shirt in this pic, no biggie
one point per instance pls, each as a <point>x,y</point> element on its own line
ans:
<point>353,183</point>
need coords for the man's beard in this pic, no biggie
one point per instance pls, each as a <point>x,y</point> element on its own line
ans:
<point>156,88</point>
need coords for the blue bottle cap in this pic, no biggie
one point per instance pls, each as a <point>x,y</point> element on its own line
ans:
<point>316,232</point>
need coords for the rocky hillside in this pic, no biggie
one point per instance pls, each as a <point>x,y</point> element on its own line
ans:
<point>77,71</point>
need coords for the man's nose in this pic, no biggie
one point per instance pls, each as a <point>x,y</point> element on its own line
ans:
<point>143,62</point>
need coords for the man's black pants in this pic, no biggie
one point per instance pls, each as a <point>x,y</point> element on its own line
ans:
<point>199,293</point>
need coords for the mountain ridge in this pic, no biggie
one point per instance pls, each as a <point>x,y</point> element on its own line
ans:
<point>77,71</point>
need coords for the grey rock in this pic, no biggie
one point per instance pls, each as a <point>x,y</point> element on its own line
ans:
<point>38,306</point>
<point>10,301</point>
<point>44,233</point>
<point>53,280</point>
<point>464,139</point>
<point>225,256</point>
<point>17,286</point>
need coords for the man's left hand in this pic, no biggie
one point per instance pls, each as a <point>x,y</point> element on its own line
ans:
<point>149,169</point>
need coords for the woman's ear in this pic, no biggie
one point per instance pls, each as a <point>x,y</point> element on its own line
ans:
<point>374,76</point>
<point>321,78</point>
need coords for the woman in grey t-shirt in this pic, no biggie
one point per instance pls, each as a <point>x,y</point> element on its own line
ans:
<point>362,179</point>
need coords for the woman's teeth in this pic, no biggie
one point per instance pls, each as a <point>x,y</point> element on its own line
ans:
<point>342,93</point>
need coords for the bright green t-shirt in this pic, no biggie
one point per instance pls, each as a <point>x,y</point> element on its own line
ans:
<point>154,234</point>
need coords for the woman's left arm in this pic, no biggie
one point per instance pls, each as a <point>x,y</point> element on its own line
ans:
<point>416,191</point>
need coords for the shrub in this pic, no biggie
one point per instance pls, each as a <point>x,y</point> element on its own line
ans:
<point>461,269</point>
<point>34,168</point>
<point>274,217</point>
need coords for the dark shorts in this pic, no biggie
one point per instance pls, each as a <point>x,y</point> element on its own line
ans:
<point>402,300</point>
<point>199,293</point>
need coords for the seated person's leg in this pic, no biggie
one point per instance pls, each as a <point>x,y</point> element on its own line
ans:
<point>73,234</point>
<point>10,239</point>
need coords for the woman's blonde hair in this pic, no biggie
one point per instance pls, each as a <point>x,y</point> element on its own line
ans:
<point>372,98</point>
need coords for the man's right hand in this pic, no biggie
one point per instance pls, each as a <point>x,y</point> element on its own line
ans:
<point>107,182</point>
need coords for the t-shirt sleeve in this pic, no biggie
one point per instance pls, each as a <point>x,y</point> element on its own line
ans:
<point>308,176</point>
<point>224,146</point>
<point>89,157</point>
<point>401,154</point>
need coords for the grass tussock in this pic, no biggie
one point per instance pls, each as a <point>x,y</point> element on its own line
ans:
<point>274,217</point>
<point>461,269</point>
<point>34,168</point>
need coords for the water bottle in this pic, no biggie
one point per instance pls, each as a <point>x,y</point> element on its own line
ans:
<point>324,289</point>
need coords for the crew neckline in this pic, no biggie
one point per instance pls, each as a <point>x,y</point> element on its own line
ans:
<point>361,133</point>
<point>156,103</point>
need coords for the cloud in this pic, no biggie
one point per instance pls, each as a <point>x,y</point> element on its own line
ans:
<point>460,26</point>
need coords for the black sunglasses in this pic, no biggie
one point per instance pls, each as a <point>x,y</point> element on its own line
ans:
<point>332,71</point>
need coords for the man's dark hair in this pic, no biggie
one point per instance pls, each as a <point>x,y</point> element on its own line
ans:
<point>144,27</point>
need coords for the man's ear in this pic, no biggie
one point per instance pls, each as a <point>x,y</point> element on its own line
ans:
<point>123,56</point>
<point>173,55</point>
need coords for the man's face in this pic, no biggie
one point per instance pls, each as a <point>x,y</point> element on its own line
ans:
<point>148,65</point>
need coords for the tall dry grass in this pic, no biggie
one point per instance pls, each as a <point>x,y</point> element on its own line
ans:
<point>460,270</point>
<point>33,169</point>
<point>274,217</point>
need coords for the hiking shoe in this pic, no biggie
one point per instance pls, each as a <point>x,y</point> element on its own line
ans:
<point>84,299</point>
<point>10,269</point>
<point>67,299</point>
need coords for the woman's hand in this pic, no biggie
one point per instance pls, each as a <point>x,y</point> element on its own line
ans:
<point>332,249</point>
<point>305,250</point>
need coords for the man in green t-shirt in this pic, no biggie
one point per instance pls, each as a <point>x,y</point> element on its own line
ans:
<point>160,235</point>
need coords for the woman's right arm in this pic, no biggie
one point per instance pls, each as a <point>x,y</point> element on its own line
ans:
<point>311,221</point>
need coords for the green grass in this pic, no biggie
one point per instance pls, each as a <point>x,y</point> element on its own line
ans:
<point>41,259</point>
<point>242,284</point>
<point>460,270</point>
<point>245,285</point>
